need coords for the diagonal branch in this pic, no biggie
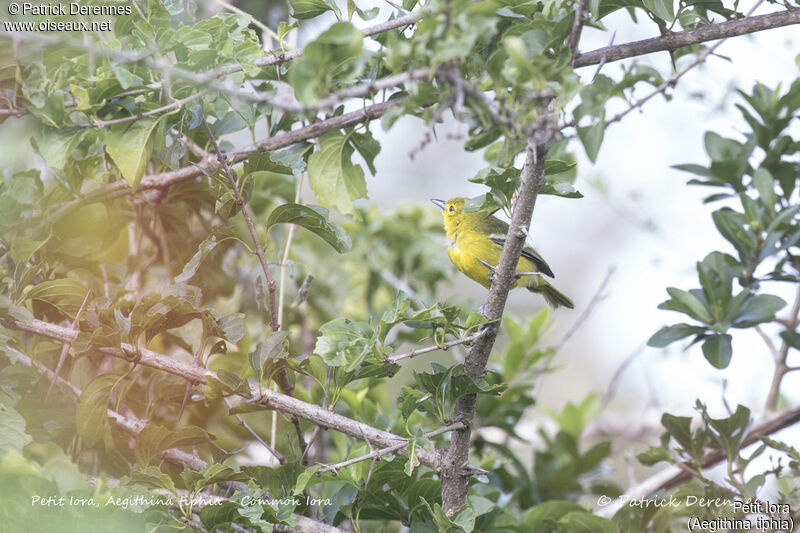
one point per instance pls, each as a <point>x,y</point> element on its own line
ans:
<point>673,41</point>
<point>66,346</point>
<point>454,478</point>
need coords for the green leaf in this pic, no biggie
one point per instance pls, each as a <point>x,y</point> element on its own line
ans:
<point>660,8</point>
<point>688,303</point>
<point>335,180</point>
<point>56,146</point>
<point>717,350</point>
<point>562,189</point>
<point>669,334</point>
<point>152,477</point>
<point>544,517</point>
<point>654,455</point>
<point>306,9</point>
<point>757,309</point>
<point>344,342</point>
<point>219,235</point>
<point>91,416</point>
<point>765,185</point>
<point>304,478</point>
<point>729,224</point>
<point>592,138</point>
<point>368,147</point>
<point>66,294</point>
<point>12,430</point>
<point>314,219</point>
<point>155,438</point>
<point>272,348</point>
<point>679,428</point>
<point>792,338</point>
<point>130,148</point>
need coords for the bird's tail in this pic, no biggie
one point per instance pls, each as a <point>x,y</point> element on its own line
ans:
<point>554,297</point>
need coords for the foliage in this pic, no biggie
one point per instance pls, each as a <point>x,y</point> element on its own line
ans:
<point>195,291</point>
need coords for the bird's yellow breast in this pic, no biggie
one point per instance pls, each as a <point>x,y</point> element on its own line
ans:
<point>467,246</point>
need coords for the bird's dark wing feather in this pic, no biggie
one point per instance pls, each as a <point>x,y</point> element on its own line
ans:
<point>528,253</point>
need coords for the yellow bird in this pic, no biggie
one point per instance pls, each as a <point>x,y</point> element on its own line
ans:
<point>476,241</point>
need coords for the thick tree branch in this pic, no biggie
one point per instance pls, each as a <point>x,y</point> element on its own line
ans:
<point>673,41</point>
<point>454,478</point>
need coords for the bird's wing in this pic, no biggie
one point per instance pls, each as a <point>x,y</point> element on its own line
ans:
<point>528,253</point>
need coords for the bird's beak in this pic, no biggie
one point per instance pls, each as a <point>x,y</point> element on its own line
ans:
<point>438,203</point>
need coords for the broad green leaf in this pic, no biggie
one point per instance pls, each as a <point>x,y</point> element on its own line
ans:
<point>336,181</point>
<point>272,348</point>
<point>679,428</point>
<point>129,146</point>
<point>304,478</point>
<point>155,438</point>
<point>152,477</point>
<point>592,138</point>
<point>306,9</point>
<point>686,302</point>
<point>91,416</point>
<point>56,146</point>
<point>544,517</point>
<point>717,350</point>
<point>792,338</point>
<point>669,334</point>
<point>660,8</point>
<point>730,431</point>
<point>314,219</point>
<point>562,189</point>
<point>765,185</point>
<point>654,455</point>
<point>757,309</point>
<point>344,342</point>
<point>218,235</point>
<point>66,294</point>
<point>12,430</point>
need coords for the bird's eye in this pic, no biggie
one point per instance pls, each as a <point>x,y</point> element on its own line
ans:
<point>452,208</point>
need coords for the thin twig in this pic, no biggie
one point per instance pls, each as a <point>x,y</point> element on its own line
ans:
<point>177,104</point>
<point>597,298</point>
<point>672,80</point>
<point>768,341</point>
<point>401,285</point>
<point>378,453</point>
<point>67,345</point>
<point>577,27</point>
<point>781,357</point>
<point>275,453</point>
<point>392,359</point>
<point>259,248</point>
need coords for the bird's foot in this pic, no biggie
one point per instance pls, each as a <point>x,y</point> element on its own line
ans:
<point>491,268</point>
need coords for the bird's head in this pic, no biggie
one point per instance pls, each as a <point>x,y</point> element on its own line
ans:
<point>454,214</point>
